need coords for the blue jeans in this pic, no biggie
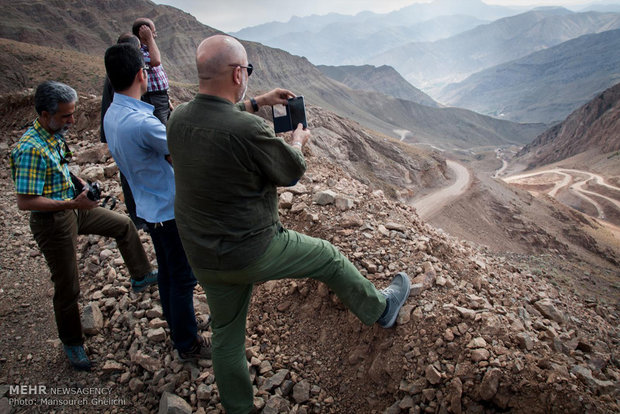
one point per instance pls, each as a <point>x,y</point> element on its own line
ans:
<point>176,284</point>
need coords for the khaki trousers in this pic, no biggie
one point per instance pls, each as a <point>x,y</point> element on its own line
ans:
<point>56,234</point>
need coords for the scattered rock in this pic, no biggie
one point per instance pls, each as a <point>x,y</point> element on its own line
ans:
<point>490,383</point>
<point>323,198</point>
<point>173,404</point>
<point>92,319</point>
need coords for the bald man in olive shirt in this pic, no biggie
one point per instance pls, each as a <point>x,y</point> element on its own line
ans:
<point>228,164</point>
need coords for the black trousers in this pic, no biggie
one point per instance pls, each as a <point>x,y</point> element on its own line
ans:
<point>160,100</point>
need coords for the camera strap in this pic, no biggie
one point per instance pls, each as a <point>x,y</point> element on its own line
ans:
<point>107,199</point>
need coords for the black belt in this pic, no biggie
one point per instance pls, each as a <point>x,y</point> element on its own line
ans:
<point>164,92</point>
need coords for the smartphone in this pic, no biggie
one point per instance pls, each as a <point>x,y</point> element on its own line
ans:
<point>295,114</point>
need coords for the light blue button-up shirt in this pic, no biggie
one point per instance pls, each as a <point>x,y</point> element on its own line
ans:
<point>137,141</point>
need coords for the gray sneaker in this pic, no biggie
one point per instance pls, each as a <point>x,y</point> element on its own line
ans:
<point>396,294</point>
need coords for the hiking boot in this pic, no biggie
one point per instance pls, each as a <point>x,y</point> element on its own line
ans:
<point>149,279</point>
<point>77,357</point>
<point>200,350</point>
<point>396,294</point>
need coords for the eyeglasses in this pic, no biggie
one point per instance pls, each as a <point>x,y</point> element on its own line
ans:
<point>249,67</point>
<point>67,155</point>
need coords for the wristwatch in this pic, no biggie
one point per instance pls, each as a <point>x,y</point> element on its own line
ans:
<point>254,104</point>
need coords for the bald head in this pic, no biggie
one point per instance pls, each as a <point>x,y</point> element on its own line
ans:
<point>215,55</point>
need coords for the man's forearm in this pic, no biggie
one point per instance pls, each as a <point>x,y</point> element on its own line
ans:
<point>154,54</point>
<point>40,203</point>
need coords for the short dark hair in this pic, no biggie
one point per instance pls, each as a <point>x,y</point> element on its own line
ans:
<point>50,93</point>
<point>142,21</point>
<point>129,38</point>
<point>122,63</point>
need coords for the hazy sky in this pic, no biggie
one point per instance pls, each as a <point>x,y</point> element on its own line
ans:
<point>234,15</point>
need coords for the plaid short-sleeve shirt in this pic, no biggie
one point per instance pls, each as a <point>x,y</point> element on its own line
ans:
<point>158,80</point>
<point>36,166</point>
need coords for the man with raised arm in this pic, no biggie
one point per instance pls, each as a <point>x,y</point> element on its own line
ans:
<point>157,88</point>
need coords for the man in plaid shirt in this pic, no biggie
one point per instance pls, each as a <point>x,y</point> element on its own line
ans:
<point>157,86</point>
<point>58,214</point>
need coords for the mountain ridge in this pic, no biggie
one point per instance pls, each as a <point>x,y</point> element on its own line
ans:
<point>384,79</point>
<point>559,79</point>
<point>432,65</point>
<point>180,34</point>
<point>594,127</point>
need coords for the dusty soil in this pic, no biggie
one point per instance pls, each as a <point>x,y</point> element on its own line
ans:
<point>482,332</point>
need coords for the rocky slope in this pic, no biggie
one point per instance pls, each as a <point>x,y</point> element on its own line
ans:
<point>593,128</point>
<point>478,334</point>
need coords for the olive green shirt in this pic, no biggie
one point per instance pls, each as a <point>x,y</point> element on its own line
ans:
<point>227,165</point>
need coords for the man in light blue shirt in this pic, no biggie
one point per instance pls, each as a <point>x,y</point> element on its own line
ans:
<point>137,141</point>
<point>140,146</point>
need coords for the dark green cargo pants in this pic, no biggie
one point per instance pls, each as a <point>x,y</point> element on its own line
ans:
<point>289,255</point>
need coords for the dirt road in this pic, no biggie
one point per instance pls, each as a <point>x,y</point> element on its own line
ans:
<point>431,204</point>
<point>603,197</point>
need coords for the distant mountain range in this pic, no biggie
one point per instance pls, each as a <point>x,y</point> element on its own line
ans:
<point>452,51</point>
<point>357,40</point>
<point>336,39</point>
<point>179,35</point>
<point>432,65</point>
<point>383,79</point>
<point>543,86</point>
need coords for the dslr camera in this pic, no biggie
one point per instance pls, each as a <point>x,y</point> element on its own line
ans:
<point>94,189</point>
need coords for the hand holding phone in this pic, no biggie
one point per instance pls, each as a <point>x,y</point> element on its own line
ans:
<point>295,114</point>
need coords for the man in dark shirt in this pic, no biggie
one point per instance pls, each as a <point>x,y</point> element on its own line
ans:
<point>228,165</point>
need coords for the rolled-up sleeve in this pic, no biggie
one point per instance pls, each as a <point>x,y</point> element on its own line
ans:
<point>282,164</point>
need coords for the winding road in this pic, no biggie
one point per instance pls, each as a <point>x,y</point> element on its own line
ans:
<point>573,181</point>
<point>431,204</point>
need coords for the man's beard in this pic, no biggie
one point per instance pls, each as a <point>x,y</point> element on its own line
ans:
<point>59,130</point>
<point>244,92</point>
<point>62,131</point>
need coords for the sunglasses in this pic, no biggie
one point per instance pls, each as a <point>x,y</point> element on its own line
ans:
<point>249,67</point>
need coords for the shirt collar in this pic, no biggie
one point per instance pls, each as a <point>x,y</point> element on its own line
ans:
<point>132,103</point>
<point>213,98</point>
<point>50,139</point>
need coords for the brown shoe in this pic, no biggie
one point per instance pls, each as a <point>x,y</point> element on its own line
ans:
<point>200,350</point>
